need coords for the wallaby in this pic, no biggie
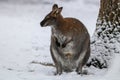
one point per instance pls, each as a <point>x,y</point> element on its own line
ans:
<point>70,41</point>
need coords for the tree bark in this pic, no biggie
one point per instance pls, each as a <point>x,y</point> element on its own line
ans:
<point>106,39</point>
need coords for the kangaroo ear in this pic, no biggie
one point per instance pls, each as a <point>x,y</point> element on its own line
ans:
<point>59,9</point>
<point>55,6</point>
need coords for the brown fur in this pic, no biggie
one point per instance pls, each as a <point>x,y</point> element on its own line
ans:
<point>70,41</point>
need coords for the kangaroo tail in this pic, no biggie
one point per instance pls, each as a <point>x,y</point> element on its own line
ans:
<point>43,63</point>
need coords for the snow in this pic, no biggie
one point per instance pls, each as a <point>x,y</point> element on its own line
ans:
<point>22,40</point>
<point>114,69</point>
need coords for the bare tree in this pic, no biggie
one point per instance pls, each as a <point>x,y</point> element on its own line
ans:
<point>106,39</point>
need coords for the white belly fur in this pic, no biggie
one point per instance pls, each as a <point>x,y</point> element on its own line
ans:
<point>66,63</point>
<point>69,47</point>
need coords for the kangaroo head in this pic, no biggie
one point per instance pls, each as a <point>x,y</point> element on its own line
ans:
<point>51,18</point>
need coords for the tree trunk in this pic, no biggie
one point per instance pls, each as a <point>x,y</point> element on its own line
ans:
<point>106,39</point>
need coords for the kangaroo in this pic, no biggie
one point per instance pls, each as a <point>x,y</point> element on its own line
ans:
<point>70,41</point>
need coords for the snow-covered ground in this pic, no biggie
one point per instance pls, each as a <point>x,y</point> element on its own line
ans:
<point>22,40</point>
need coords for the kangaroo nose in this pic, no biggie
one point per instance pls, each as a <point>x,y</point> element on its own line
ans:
<point>41,24</point>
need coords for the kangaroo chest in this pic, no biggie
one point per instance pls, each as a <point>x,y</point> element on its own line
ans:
<point>65,41</point>
<point>60,38</point>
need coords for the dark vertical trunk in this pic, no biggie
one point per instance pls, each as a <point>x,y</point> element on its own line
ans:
<point>106,39</point>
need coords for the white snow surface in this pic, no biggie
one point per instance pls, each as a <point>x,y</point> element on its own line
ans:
<point>23,40</point>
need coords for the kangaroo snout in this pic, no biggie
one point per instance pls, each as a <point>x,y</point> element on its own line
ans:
<point>42,23</point>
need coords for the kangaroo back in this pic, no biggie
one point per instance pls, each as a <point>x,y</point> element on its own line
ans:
<point>70,41</point>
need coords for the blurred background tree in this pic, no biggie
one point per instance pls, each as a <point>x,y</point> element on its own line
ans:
<point>106,39</point>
